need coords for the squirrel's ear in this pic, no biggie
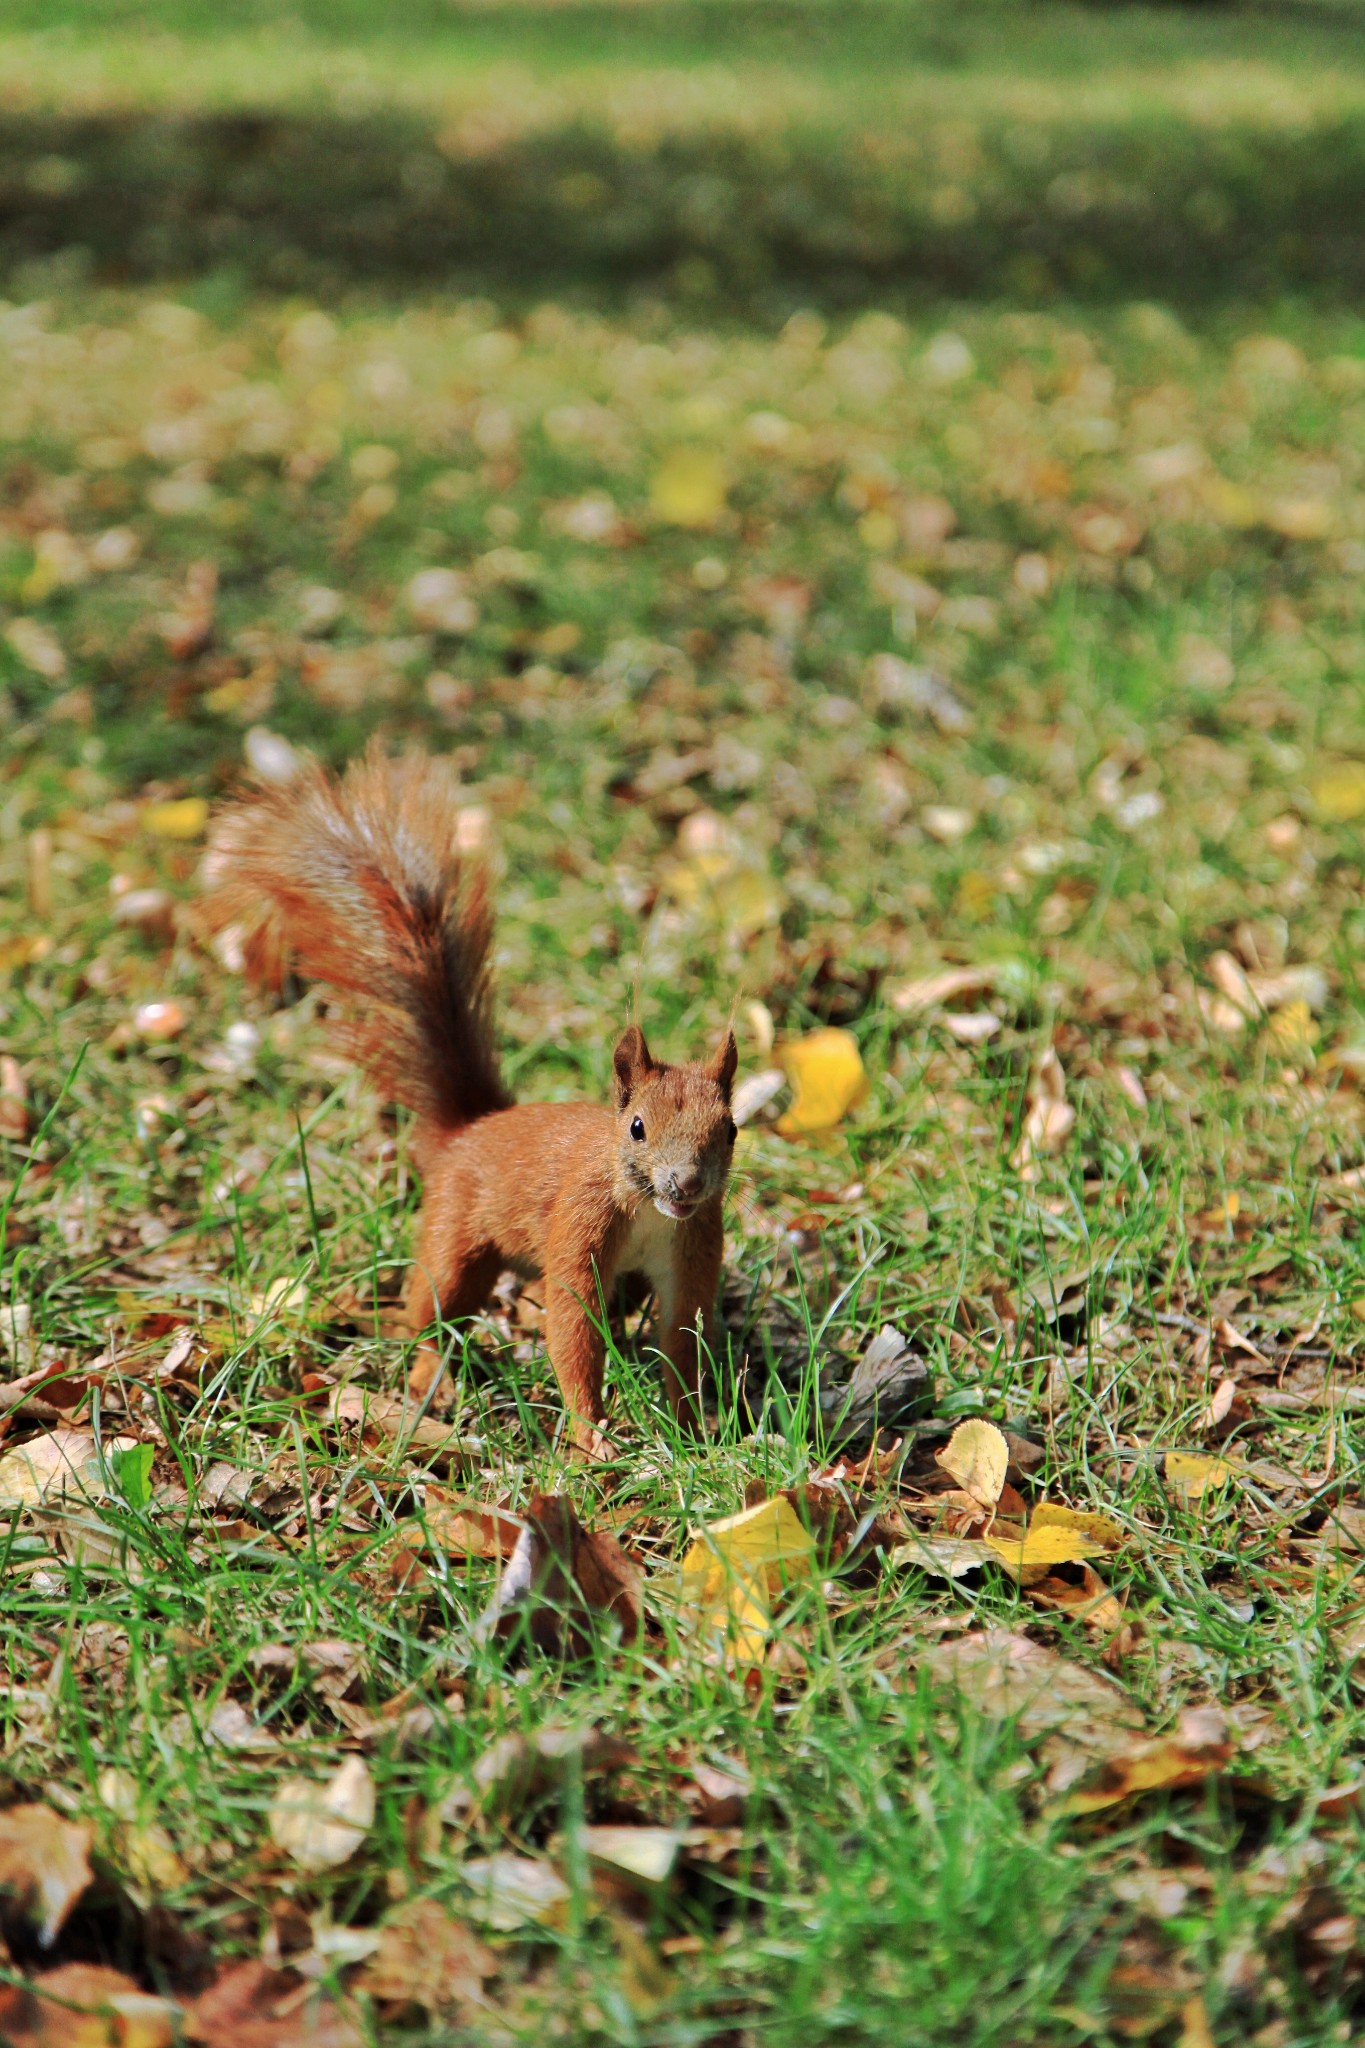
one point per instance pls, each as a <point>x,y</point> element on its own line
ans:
<point>725,1061</point>
<point>630,1062</point>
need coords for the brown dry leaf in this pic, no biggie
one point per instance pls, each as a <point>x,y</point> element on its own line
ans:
<point>516,1769</point>
<point>13,1099</point>
<point>64,1462</point>
<point>1086,1599</point>
<point>1199,1746</point>
<point>510,1892</point>
<point>977,1456</point>
<point>943,1557</point>
<point>735,1570</point>
<point>467,1528</point>
<point>253,2006</point>
<point>826,1070</point>
<point>427,1958</point>
<point>720,1796</point>
<point>44,1863</point>
<point>388,1415</point>
<point>84,2005</point>
<point>1010,1677</point>
<point>559,1576</point>
<point>321,1826</point>
<point>147,1850</point>
<point>1048,1120</point>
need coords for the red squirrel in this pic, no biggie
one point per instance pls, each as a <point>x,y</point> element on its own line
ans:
<point>358,883</point>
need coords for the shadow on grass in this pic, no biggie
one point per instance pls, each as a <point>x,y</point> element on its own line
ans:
<point>753,221</point>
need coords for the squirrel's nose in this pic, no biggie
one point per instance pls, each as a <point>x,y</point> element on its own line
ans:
<point>684,1183</point>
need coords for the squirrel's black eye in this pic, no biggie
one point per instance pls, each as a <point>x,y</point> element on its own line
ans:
<point>637,1129</point>
<point>734,1130</point>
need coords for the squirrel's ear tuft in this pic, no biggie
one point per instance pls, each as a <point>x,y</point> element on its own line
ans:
<point>725,1061</point>
<point>630,1063</point>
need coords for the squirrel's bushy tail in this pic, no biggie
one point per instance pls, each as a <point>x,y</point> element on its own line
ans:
<point>358,883</point>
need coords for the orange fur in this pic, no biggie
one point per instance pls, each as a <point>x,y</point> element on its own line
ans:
<point>360,883</point>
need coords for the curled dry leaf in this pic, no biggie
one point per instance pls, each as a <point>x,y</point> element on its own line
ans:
<point>643,1855</point>
<point>509,1891</point>
<point>320,1826</point>
<point>977,1456</point>
<point>943,1557</point>
<point>147,1850</point>
<point>85,2005</point>
<point>64,1463</point>
<point>516,1769</point>
<point>44,1864</point>
<point>734,1572</point>
<point>826,1070</point>
<point>253,2006</point>
<point>1048,1119</point>
<point>1199,1746</point>
<point>558,1577</point>
<point>467,1528</point>
<point>427,1958</point>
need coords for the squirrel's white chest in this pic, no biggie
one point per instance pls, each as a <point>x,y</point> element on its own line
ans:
<point>651,1247</point>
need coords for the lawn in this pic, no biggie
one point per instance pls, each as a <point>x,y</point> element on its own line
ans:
<point>976,677</point>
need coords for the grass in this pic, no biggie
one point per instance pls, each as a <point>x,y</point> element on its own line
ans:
<point>739,159</point>
<point>1129,545</point>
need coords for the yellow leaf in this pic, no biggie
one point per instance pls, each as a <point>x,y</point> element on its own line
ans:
<point>688,488</point>
<point>183,819</point>
<point>1190,1474</point>
<point>1034,1554</point>
<point>734,1571</point>
<point>1052,1514</point>
<point>1230,504</point>
<point>826,1070</point>
<point>878,531</point>
<point>976,1456</point>
<point>1339,793</point>
<point>1291,1029</point>
<point>1300,518</point>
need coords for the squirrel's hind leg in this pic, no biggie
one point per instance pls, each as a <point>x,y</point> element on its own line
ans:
<point>455,1278</point>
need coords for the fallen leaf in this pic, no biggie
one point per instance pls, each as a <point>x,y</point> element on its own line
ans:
<point>160,1021</point>
<point>644,1854</point>
<point>1048,1119</point>
<point>734,1571</point>
<point>1199,1747</point>
<point>826,1070</point>
<point>321,1826</point>
<point>466,1528</point>
<point>559,1577</point>
<point>85,2005</point>
<point>1010,1677</point>
<point>1035,1550</point>
<point>1190,1474</point>
<point>389,1415</point>
<point>689,488</point>
<point>977,1456</point>
<point>513,1891</point>
<point>185,818</point>
<point>425,1957</point>
<point>440,602</point>
<point>721,1796</point>
<point>516,1769</point>
<point>148,1851</point>
<point>1339,793</point>
<point>253,2006</point>
<point>944,1557</point>
<point>44,1863</point>
<point>64,1462</point>
<point>38,647</point>
<point>1087,1600</point>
